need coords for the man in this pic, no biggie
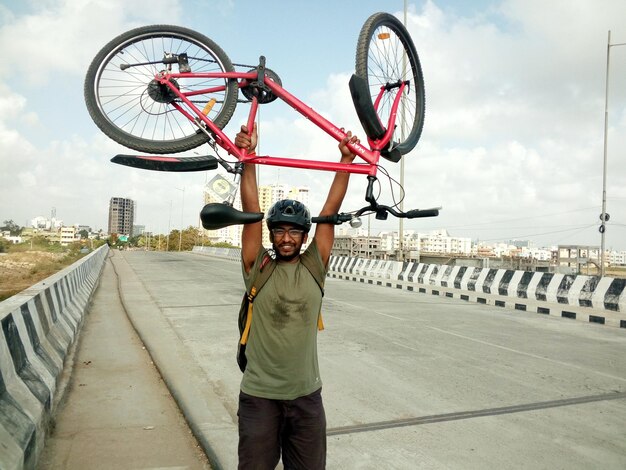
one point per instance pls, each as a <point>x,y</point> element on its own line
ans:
<point>280,403</point>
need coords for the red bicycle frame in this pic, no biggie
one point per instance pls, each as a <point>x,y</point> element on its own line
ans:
<point>370,156</point>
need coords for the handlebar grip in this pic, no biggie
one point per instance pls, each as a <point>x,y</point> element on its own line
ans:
<point>326,219</point>
<point>335,219</point>
<point>415,213</point>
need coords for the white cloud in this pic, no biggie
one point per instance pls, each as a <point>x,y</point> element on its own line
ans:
<point>513,131</point>
<point>513,125</point>
<point>62,37</point>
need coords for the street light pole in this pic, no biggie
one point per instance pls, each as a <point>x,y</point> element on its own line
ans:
<point>182,210</point>
<point>169,228</point>
<point>604,217</point>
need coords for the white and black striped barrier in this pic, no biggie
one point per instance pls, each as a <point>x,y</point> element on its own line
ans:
<point>38,327</point>
<point>587,298</point>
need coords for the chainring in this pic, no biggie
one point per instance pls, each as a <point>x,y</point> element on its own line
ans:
<point>259,90</point>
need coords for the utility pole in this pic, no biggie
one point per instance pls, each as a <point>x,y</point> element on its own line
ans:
<point>182,210</point>
<point>604,217</point>
<point>169,225</point>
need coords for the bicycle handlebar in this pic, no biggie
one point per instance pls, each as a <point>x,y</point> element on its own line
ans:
<point>415,213</point>
<point>334,219</point>
<point>219,215</point>
<point>381,214</point>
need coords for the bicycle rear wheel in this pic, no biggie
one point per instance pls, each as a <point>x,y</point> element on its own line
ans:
<point>385,55</point>
<point>132,108</point>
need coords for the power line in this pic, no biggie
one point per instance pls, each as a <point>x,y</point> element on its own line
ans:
<point>578,229</point>
<point>524,218</point>
<point>571,227</point>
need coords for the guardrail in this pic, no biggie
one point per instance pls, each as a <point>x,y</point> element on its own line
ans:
<point>230,253</point>
<point>39,325</point>
<point>587,298</point>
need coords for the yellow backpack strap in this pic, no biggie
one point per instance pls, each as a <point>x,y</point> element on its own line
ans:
<point>265,271</point>
<point>246,330</point>
<point>320,322</point>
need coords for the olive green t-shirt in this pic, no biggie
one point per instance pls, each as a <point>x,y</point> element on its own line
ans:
<point>282,346</point>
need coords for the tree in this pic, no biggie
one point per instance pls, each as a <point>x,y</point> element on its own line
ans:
<point>190,236</point>
<point>112,240</point>
<point>84,234</point>
<point>11,227</point>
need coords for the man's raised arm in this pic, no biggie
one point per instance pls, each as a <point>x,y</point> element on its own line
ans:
<point>252,234</point>
<point>325,233</point>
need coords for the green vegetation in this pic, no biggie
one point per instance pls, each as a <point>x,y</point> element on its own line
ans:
<point>12,227</point>
<point>175,241</point>
<point>25,264</point>
<point>28,263</point>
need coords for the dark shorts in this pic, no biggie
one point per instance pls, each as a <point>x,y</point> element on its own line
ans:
<point>295,427</point>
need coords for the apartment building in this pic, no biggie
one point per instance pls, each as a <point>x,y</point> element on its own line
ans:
<point>121,216</point>
<point>69,235</point>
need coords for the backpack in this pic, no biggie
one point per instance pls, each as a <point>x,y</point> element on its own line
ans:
<point>245,311</point>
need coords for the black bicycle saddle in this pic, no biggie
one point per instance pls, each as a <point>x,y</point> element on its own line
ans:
<point>219,215</point>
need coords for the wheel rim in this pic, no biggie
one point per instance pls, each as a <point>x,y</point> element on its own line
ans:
<point>129,99</point>
<point>388,62</point>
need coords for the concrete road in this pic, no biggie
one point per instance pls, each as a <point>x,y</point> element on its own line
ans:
<point>410,380</point>
<point>116,412</point>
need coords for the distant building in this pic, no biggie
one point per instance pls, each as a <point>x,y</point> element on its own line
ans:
<point>121,216</point>
<point>43,223</point>
<point>440,241</point>
<point>69,235</point>
<point>6,234</point>
<point>617,258</point>
<point>573,257</point>
<point>519,243</point>
<point>437,241</point>
<point>360,246</point>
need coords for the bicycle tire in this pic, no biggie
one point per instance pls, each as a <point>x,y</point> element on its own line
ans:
<point>129,107</point>
<point>382,44</point>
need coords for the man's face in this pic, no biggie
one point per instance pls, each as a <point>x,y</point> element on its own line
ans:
<point>287,241</point>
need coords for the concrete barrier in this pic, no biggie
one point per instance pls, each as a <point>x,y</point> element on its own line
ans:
<point>38,327</point>
<point>586,298</point>
<point>230,253</point>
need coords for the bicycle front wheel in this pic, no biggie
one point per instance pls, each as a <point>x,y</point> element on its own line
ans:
<point>386,55</point>
<point>131,107</point>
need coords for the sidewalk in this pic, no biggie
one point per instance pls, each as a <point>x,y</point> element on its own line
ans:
<point>117,413</point>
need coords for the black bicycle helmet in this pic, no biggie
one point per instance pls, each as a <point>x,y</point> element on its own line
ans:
<point>289,211</point>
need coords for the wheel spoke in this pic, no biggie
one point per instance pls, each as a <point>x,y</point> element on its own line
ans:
<point>131,106</point>
<point>386,55</point>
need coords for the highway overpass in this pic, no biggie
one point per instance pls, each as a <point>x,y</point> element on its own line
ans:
<point>411,380</point>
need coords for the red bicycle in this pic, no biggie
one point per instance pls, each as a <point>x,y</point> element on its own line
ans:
<point>168,89</point>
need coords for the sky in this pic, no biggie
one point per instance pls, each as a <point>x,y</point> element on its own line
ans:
<point>513,140</point>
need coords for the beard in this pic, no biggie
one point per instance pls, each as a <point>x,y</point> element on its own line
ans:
<point>292,251</point>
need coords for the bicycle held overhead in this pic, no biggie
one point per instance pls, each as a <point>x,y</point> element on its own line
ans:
<point>168,89</point>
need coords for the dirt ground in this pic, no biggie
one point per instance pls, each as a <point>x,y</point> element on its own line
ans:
<point>18,271</point>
